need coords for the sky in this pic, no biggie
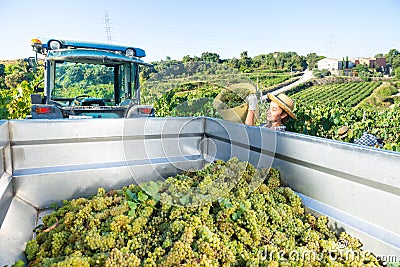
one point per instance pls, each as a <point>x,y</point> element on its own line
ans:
<point>175,28</point>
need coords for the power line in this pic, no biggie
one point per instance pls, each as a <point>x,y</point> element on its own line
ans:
<point>107,27</point>
<point>332,38</point>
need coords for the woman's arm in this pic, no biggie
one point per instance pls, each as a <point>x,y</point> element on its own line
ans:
<point>250,118</point>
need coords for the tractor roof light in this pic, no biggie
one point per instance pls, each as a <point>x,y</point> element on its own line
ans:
<point>36,42</point>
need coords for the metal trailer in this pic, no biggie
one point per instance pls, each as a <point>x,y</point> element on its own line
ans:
<point>47,161</point>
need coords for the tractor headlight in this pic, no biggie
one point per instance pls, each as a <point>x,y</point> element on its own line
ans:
<point>54,45</point>
<point>130,52</point>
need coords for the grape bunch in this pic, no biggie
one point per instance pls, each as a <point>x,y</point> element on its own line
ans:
<point>249,219</point>
<point>234,97</point>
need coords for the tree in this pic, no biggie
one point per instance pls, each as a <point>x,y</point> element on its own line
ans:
<point>312,60</point>
<point>15,73</point>
<point>316,73</point>
<point>378,55</point>
<point>256,62</point>
<point>2,69</point>
<point>363,72</point>
<point>186,59</point>
<point>209,57</point>
<point>233,62</point>
<point>393,58</point>
<point>244,55</point>
<point>245,62</point>
<point>2,76</point>
<point>395,62</point>
<point>271,61</point>
<point>321,73</point>
<point>343,64</point>
<point>361,68</point>
<point>281,60</point>
<point>325,72</point>
<point>397,72</point>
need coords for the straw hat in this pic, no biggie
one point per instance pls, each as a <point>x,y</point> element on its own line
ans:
<point>285,102</point>
<point>342,131</point>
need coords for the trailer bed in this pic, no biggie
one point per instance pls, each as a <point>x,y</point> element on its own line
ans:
<point>47,161</point>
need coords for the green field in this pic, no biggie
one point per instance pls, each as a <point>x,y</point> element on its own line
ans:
<point>348,94</point>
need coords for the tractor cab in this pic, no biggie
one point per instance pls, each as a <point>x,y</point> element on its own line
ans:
<point>88,80</point>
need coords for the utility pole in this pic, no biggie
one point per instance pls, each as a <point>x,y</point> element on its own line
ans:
<point>107,27</point>
<point>331,44</point>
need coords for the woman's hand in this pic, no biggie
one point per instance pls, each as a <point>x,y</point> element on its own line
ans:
<point>252,101</point>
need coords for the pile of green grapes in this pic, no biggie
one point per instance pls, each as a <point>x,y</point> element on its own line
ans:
<point>234,97</point>
<point>237,216</point>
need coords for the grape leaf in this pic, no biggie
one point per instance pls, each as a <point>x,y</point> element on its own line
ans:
<point>151,188</point>
<point>142,196</point>
<point>130,195</point>
<point>185,199</point>
<point>132,205</point>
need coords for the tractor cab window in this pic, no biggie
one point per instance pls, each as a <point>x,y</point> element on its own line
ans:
<point>110,85</point>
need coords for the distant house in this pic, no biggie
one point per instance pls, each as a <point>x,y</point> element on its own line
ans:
<point>367,61</point>
<point>334,65</point>
<point>331,64</point>
<point>381,62</point>
<point>373,62</point>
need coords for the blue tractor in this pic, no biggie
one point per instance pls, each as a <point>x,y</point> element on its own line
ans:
<point>88,80</point>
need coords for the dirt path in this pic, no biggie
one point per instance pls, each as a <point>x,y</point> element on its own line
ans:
<point>305,77</point>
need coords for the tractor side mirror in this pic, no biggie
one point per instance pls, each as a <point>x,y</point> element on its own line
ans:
<point>36,99</point>
<point>32,63</point>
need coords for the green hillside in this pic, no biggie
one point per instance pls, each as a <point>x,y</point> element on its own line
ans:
<point>348,94</point>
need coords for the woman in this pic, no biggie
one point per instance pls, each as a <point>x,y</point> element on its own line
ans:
<point>278,113</point>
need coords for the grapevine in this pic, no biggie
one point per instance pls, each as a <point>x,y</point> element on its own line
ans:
<point>325,120</point>
<point>349,94</point>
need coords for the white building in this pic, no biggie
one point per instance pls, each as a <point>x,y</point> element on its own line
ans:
<point>333,64</point>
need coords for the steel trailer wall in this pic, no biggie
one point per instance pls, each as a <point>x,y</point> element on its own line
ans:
<point>357,186</point>
<point>54,160</point>
<point>6,190</point>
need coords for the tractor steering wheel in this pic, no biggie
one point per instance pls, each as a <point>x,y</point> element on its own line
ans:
<point>78,99</point>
